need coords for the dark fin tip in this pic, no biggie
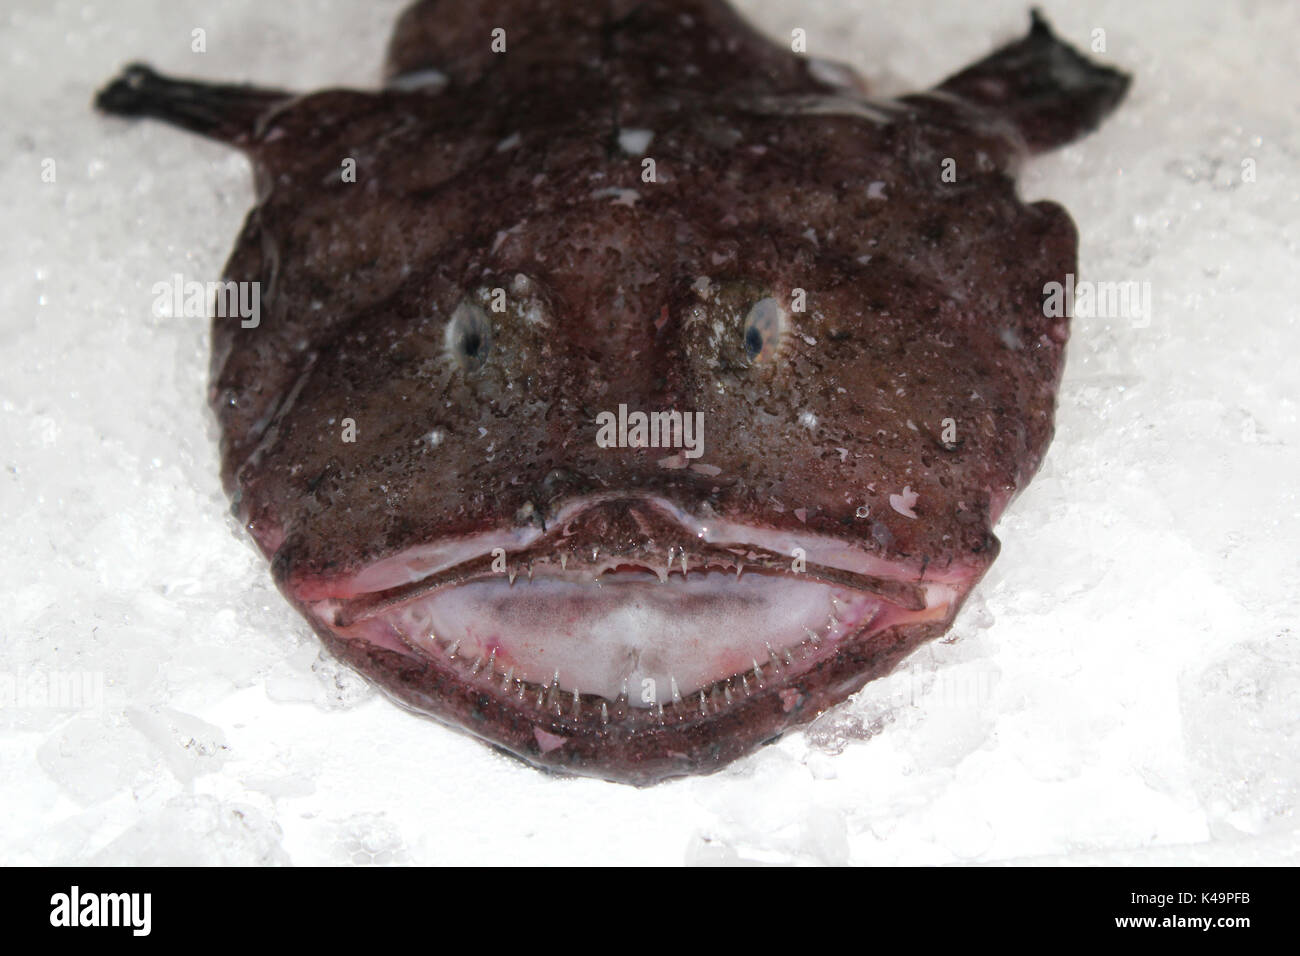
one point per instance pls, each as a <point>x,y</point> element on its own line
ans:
<point>125,95</point>
<point>1043,86</point>
<point>221,111</point>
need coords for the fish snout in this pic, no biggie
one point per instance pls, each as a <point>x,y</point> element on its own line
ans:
<point>624,529</point>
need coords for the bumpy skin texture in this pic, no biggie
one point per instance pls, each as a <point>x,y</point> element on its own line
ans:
<point>923,303</point>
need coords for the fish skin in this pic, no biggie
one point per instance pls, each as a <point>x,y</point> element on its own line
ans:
<point>507,171</point>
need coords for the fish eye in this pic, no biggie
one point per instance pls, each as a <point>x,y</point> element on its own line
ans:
<point>469,335</point>
<point>762,331</point>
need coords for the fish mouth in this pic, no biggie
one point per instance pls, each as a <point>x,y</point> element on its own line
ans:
<point>629,640</point>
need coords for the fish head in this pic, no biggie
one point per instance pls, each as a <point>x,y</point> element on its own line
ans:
<point>629,528</point>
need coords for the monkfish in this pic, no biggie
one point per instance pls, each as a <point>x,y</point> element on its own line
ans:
<point>628,388</point>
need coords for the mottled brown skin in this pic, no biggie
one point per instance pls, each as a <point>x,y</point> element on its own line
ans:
<point>467,186</point>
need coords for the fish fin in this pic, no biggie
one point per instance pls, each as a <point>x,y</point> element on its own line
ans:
<point>1050,92</point>
<point>224,112</point>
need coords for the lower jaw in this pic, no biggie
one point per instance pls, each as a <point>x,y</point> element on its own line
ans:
<point>591,735</point>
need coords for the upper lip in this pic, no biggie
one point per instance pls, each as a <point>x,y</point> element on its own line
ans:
<point>577,547</point>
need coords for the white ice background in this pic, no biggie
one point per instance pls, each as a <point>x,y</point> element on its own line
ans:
<point>1124,687</point>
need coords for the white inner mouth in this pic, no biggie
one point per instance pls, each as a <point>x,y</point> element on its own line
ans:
<point>630,633</point>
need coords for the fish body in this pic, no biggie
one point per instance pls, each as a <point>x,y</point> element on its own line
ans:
<point>626,388</point>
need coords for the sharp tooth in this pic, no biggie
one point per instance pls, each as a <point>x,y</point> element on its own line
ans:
<point>744,682</point>
<point>703,707</point>
<point>492,661</point>
<point>812,635</point>
<point>740,566</point>
<point>510,676</point>
<point>758,671</point>
<point>552,689</point>
<point>726,690</point>
<point>478,665</point>
<point>677,697</point>
<point>511,573</point>
<point>604,713</point>
<point>451,651</point>
<point>564,562</point>
<point>684,568</point>
<point>530,571</point>
<point>773,658</point>
<point>577,703</point>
